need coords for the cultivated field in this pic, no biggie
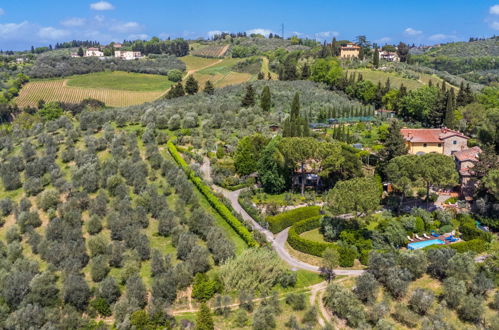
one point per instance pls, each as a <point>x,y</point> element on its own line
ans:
<point>211,51</point>
<point>57,90</point>
<point>219,72</point>
<point>135,82</point>
<point>115,89</point>
<point>395,79</point>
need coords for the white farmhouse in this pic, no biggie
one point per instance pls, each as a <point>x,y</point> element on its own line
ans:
<point>93,52</point>
<point>127,54</point>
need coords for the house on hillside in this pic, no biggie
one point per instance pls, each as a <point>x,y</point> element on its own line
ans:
<point>117,46</point>
<point>309,175</point>
<point>93,52</point>
<point>127,54</point>
<point>389,56</point>
<point>465,161</point>
<point>444,141</point>
<point>349,50</point>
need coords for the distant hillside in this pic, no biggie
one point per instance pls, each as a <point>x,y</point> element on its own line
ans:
<point>477,61</point>
<point>479,48</point>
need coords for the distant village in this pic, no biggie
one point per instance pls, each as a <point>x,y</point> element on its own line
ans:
<point>118,53</point>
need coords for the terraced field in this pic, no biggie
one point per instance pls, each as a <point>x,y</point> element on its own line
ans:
<point>115,89</point>
<point>211,51</point>
<point>218,71</point>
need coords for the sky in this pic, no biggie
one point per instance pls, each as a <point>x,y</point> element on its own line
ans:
<point>40,23</point>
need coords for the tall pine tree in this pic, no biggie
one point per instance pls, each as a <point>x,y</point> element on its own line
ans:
<point>394,144</point>
<point>191,85</point>
<point>209,88</point>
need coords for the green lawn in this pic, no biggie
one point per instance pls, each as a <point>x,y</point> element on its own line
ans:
<point>396,80</point>
<point>313,235</point>
<point>223,67</point>
<point>119,80</point>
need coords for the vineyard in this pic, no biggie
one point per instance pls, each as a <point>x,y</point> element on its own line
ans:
<point>57,90</point>
<point>211,51</point>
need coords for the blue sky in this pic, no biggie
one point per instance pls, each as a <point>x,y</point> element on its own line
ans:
<point>35,22</point>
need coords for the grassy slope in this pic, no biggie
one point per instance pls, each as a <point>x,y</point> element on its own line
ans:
<point>121,81</point>
<point>313,235</point>
<point>395,80</point>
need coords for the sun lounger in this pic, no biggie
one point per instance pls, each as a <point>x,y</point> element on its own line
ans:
<point>417,237</point>
<point>454,240</point>
<point>410,239</point>
<point>434,234</point>
<point>449,238</point>
<point>426,236</point>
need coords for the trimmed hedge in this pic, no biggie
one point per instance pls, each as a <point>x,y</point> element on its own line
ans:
<point>286,219</point>
<point>475,245</point>
<point>304,245</point>
<point>240,229</point>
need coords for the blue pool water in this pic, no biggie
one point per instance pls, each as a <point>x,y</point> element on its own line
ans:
<point>422,244</point>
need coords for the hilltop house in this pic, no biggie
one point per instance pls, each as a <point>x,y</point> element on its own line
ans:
<point>389,56</point>
<point>117,45</point>
<point>445,141</point>
<point>350,50</point>
<point>127,54</point>
<point>93,52</point>
<point>465,161</point>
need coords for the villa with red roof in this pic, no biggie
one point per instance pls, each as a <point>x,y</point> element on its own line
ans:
<point>445,141</point>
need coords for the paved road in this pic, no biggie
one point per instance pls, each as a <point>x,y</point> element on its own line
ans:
<point>279,241</point>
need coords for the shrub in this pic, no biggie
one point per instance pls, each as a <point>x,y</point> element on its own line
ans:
<point>469,231</point>
<point>283,220</point>
<point>296,301</point>
<point>175,75</point>
<point>405,316</point>
<point>304,245</point>
<point>101,306</point>
<point>212,199</point>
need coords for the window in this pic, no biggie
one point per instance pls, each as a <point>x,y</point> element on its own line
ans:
<point>425,145</point>
<point>440,144</point>
<point>454,142</point>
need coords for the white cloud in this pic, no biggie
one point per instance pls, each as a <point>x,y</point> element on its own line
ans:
<point>412,32</point>
<point>139,36</point>
<point>126,27</point>
<point>74,21</point>
<point>101,5</point>
<point>441,37</point>
<point>14,30</point>
<point>264,32</point>
<point>384,40</point>
<point>494,10</point>
<point>212,33</point>
<point>326,34</point>
<point>495,25</point>
<point>52,33</point>
<point>2,12</point>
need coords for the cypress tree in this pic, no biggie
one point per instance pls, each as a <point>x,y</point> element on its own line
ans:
<point>80,52</point>
<point>249,97</point>
<point>261,76</point>
<point>469,94</point>
<point>305,72</point>
<point>265,99</point>
<point>295,125</point>
<point>334,47</point>
<point>376,58</point>
<point>461,96</point>
<point>191,85</point>
<point>269,76</point>
<point>295,106</point>
<point>209,88</point>
<point>449,120</point>
<point>387,85</point>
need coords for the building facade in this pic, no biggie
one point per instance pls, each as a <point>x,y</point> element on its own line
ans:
<point>440,140</point>
<point>127,54</point>
<point>465,161</point>
<point>389,56</point>
<point>93,52</point>
<point>350,51</point>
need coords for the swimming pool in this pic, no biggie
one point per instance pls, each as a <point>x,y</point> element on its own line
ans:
<point>422,244</point>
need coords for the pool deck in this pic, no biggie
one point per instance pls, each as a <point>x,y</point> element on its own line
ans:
<point>440,237</point>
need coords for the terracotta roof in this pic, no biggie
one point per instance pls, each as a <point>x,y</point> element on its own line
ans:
<point>470,154</point>
<point>93,49</point>
<point>435,135</point>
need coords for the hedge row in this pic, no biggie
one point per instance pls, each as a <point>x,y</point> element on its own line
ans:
<point>475,245</point>
<point>245,203</point>
<point>240,229</point>
<point>305,245</point>
<point>286,219</point>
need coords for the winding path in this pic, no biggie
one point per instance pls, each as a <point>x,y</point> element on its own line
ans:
<point>278,241</point>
